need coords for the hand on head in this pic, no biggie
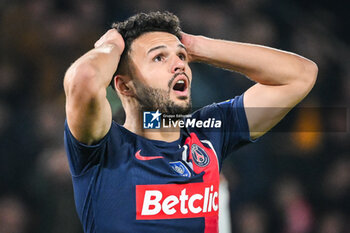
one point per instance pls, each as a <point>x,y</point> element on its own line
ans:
<point>189,42</point>
<point>112,36</point>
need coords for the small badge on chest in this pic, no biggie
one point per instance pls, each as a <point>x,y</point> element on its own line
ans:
<point>180,168</point>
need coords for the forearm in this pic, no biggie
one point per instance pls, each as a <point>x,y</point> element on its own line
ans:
<point>262,64</point>
<point>88,111</point>
<point>96,67</point>
<point>283,79</point>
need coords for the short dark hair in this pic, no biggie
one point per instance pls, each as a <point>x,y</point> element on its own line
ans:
<point>142,23</point>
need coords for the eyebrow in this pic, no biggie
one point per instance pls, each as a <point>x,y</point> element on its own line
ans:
<point>163,46</point>
<point>182,46</point>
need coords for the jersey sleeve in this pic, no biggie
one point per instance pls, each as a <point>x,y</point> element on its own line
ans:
<point>235,126</point>
<point>82,157</point>
<point>234,130</point>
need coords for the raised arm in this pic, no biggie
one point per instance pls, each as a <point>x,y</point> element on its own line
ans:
<point>88,111</point>
<point>283,78</point>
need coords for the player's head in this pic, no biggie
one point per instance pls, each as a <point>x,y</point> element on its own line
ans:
<point>153,68</point>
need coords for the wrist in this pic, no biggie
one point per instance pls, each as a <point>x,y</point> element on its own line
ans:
<point>198,48</point>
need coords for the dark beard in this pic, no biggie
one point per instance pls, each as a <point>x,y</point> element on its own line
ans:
<point>153,99</point>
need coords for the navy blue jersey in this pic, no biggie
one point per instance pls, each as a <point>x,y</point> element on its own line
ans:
<point>127,183</point>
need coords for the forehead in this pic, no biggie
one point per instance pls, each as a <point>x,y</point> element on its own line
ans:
<point>152,39</point>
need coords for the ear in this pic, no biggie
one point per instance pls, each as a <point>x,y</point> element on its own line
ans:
<point>123,85</point>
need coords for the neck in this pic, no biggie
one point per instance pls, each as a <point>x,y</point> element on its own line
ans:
<point>134,123</point>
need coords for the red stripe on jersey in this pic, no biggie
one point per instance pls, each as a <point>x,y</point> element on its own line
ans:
<point>211,176</point>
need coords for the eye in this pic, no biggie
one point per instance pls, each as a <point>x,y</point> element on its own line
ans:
<point>158,58</point>
<point>182,56</point>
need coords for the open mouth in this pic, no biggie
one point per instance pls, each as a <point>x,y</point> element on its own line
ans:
<point>180,85</point>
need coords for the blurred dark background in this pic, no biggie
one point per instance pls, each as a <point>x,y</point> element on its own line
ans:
<point>289,182</point>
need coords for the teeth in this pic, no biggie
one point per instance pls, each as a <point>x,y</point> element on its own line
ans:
<point>180,81</point>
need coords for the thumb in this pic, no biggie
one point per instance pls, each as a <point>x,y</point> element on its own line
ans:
<point>99,42</point>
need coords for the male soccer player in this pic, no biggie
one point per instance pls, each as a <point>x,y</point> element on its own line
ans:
<point>131,179</point>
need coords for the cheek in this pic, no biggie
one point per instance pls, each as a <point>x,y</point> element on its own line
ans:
<point>189,73</point>
<point>156,78</point>
<point>146,75</point>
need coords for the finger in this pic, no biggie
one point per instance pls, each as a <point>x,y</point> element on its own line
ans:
<point>100,41</point>
<point>186,39</point>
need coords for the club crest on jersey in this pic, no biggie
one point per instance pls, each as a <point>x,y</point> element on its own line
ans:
<point>200,157</point>
<point>180,168</point>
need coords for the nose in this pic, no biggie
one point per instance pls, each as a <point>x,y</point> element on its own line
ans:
<point>177,65</point>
